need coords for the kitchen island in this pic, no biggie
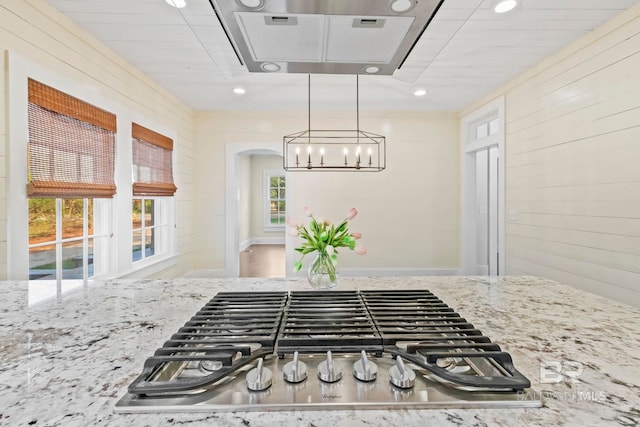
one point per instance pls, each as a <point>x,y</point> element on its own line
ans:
<point>66,361</point>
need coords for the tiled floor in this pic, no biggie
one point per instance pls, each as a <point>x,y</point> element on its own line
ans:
<point>262,261</point>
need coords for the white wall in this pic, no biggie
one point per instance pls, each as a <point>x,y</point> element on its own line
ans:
<point>573,150</point>
<point>409,213</point>
<point>3,167</point>
<point>244,199</point>
<point>37,32</point>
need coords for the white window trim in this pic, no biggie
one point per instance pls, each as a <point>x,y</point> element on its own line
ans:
<point>117,212</point>
<point>124,181</point>
<point>266,217</point>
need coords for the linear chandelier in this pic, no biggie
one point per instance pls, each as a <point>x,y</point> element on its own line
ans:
<point>352,150</point>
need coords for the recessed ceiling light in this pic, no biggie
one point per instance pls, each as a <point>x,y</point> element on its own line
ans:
<point>270,67</point>
<point>239,91</point>
<point>505,6</point>
<point>251,4</point>
<point>177,3</point>
<point>420,92</point>
<point>400,6</point>
<point>371,69</point>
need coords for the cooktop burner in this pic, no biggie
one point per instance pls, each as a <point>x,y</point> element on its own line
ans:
<point>337,349</point>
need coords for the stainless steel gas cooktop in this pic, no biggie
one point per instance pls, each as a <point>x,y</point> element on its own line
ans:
<point>326,350</point>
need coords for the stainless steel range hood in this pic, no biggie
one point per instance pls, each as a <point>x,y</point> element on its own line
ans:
<point>324,36</point>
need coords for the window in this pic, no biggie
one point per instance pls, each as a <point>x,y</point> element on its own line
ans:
<point>64,239</point>
<point>71,161</point>
<point>152,177</point>
<point>150,224</point>
<point>275,208</point>
<point>487,128</point>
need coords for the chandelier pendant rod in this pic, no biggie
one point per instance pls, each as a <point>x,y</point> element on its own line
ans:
<point>309,122</point>
<point>358,103</point>
<point>309,101</point>
<point>358,121</point>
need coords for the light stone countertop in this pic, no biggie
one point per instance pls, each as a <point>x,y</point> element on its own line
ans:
<point>67,360</point>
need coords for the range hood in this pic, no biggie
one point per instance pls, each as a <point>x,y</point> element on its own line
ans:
<point>324,36</point>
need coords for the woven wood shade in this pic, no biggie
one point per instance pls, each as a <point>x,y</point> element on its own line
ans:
<point>71,150</point>
<point>152,163</point>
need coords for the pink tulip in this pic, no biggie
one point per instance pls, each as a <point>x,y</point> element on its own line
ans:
<point>293,222</point>
<point>356,235</point>
<point>307,211</point>
<point>292,231</point>
<point>352,213</point>
<point>360,250</point>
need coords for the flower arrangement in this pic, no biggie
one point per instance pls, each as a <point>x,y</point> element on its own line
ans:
<point>324,238</point>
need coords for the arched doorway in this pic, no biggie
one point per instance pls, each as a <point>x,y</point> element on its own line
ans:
<point>234,155</point>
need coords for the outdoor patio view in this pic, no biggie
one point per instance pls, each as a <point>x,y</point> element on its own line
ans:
<point>57,226</point>
<point>143,224</point>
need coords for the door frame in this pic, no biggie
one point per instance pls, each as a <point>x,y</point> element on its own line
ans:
<point>232,154</point>
<point>468,147</point>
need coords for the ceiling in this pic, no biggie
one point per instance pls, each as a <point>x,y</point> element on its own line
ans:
<point>466,52</point>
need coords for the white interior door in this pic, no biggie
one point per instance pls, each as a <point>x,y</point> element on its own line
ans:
<point>482,212</point>
<point>487,219</point>
<point>483,201</point>
<point>493,220</point>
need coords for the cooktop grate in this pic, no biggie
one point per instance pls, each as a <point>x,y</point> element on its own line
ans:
<point>419,327</point>
<point>320,321</point>
<point>231,330</point>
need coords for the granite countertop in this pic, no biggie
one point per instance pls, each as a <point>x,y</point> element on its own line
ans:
<point>66,361</point>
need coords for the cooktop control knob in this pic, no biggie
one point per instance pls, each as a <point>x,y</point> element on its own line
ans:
<point>327,372</point>
<point>259,378</point>
<point>402,376</point>
<point>363,369</point>
<point>295,371</point>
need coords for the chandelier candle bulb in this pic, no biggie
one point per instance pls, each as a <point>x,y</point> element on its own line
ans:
<point>309,157</point>
<point>369,153</point>
<point>297,154</point>
<point>346,151</point>
<point>321,156</point>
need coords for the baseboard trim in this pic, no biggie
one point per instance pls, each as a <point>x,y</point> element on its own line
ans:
<point>261,241</point>
<point>382,272</point>
<point>244,245</point>
<point>388,272</point>
<point>370,272</point>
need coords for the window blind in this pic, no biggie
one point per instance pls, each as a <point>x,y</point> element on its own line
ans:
<point>152,163</point>
<point>71,149</point>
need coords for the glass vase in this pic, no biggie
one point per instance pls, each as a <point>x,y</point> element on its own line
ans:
<point>322,273</point>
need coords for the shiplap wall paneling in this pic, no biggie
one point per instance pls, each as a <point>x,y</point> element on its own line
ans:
<point>35,30</point>
<point>573,149</point>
